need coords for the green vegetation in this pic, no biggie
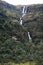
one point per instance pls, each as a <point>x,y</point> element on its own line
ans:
<point>14,44</point>
<point>12,63</point>
<point>33,22</point>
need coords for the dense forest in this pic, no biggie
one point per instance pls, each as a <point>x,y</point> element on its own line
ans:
<point>14,42</point>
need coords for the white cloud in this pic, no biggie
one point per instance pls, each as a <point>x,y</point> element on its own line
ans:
<point>24,2</point>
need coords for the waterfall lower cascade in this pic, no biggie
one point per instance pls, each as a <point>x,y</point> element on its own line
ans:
<point>30,39</point>
<point>24,11</point>
<point>21,21</point>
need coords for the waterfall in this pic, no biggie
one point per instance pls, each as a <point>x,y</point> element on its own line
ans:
<point>30,39</point>
<point>24,11</point>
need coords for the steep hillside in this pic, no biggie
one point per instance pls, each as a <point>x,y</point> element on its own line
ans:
<point>11,35</point>
<point>14,42</point>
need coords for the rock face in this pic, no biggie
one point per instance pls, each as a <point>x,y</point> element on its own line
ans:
<point>38,7</point>
<point>14,38</point>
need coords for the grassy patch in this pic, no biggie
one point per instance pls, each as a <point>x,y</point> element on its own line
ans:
<point>12,63</point>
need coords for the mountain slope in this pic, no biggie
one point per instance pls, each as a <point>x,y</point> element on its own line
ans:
<point>14,42</point>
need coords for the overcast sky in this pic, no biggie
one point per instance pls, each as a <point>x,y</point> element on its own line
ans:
<point>24,2</point>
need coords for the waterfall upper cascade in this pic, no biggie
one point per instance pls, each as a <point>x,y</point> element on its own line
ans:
<point>23,14</point>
